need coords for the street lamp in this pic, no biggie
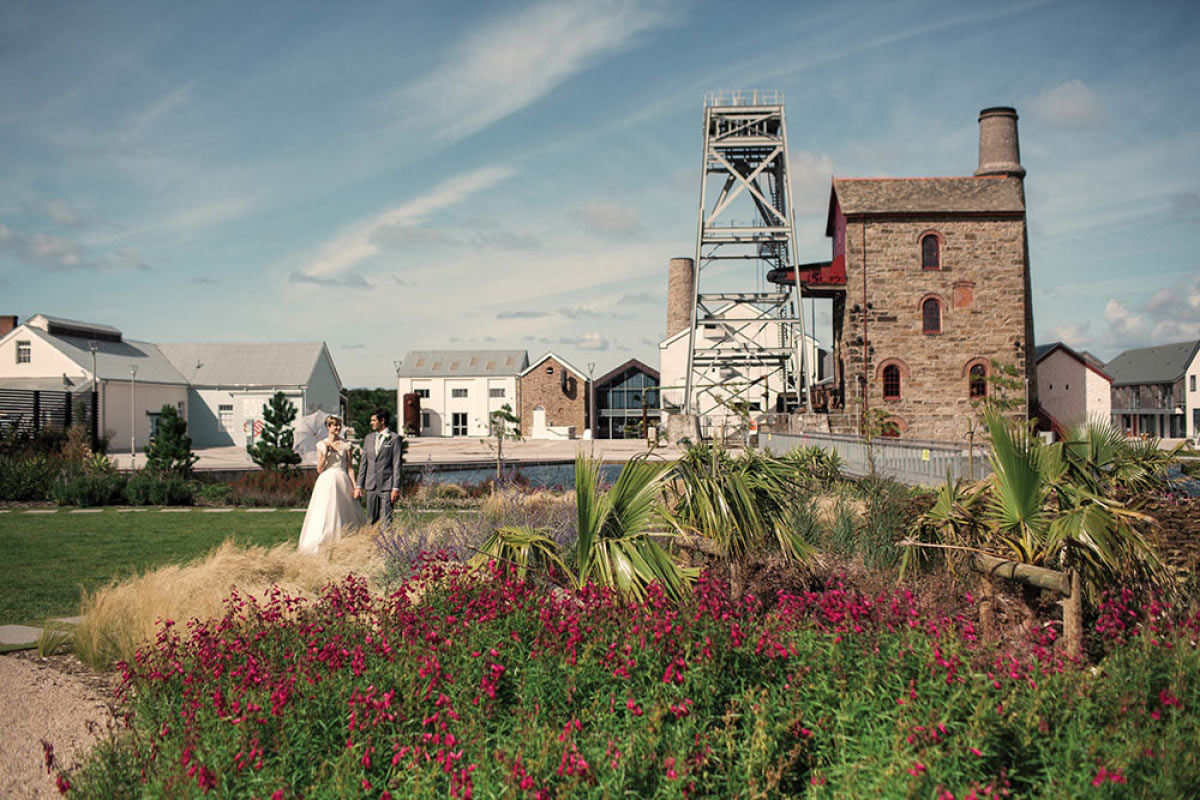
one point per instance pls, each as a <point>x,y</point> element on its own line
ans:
<point>132,418</point>
<point>592,405</point>
<point>93,345</point>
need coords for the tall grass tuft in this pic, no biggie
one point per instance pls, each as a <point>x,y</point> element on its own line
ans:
<point>124,615</point>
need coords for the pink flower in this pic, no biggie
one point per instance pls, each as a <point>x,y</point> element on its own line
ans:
<point>916,769</point>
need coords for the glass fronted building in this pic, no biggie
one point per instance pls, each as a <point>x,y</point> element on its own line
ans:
<point>627,401</point>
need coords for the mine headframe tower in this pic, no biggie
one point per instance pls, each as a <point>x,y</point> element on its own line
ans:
<point>746,342</point>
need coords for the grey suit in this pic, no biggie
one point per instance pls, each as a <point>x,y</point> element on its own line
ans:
<point>379,474</point>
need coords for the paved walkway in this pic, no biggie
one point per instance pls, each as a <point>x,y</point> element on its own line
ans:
<point>458,451</point>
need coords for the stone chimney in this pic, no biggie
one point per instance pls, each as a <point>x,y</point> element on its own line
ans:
<point>680,295</point>
<point>7,323</point>
<point>999,150</point>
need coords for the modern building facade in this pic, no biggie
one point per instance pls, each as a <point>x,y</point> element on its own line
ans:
<point>459,389</point>
<point>627,401</point>
<point>1154,390</point>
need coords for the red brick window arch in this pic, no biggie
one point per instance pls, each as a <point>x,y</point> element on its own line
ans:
<point>931,315</point>
<point>931,250</point>
<point>892,373</point>
<point>891,382</point>
<point>977,381</point>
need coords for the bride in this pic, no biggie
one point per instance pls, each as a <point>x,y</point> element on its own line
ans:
<point>332,506</point>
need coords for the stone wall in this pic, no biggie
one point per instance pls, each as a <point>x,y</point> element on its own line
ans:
<point>982,289</point>
<point>543,386</point>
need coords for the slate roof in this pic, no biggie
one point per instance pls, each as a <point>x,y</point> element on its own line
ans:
<point>462,363</point>
<point>616,372</point>
<point>1165,363</point>
<point>1085,358</point>
<point>244,363</point>
<point>926,196</point>
<point>113,359</point>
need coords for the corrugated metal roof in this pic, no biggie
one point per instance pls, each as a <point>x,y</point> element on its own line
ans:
<point>244,363</point>
<point>113,359</point>
<point>928,195</point>
<point>1165,363</point>
<point>462,363</point>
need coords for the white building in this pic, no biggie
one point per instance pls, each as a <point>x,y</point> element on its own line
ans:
<point>230,382</point>
<point>1073,388</point>
<point>459,388</point>
<point>759,386</point>
<point>219,389</point>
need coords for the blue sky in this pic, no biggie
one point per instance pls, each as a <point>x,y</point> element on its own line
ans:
<point>394,176</point>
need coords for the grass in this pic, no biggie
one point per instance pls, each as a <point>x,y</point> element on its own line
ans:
<point>49,558</point>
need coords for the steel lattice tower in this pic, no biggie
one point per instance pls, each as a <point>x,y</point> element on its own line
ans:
<point>747,343</point>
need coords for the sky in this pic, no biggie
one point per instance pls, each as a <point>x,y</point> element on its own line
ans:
<point>461,175</point>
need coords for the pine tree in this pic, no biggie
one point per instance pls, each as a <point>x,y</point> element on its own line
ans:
<point>274,448</point>
<point>171,448</point>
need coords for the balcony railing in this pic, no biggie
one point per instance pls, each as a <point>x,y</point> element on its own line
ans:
<point>744,97</point>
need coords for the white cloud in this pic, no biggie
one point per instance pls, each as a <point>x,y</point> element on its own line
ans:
<point>1070,104</point>
<point>53,252</point>
<point>1072,334</point>
<point>350,280</point>
<point>513,61</point>
<point>592,340</point>
<point>609,220</point>
<point>128,258</point>
<point>811,176</point>
<point>1171,314</point>
<point>62,214</point>
<point>361,240</point>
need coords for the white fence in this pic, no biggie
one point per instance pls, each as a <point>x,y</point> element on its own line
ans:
<point>908,461</point>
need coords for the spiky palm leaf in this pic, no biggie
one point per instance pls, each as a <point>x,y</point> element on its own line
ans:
<point>1015,506</point>
<point>521,547</point>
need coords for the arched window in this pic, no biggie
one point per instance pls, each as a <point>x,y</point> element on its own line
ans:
<point>931,316</point>
<point>891,381</point>
<point>931,252</point>
<point>977,379</point>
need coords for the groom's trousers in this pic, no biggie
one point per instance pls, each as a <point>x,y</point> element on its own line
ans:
<point>379,505</point>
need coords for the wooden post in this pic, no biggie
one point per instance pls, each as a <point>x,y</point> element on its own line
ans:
<point>1072,606</point>
<point>987,608</point>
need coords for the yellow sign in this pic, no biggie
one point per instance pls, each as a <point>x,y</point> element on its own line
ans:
<point>925,454</point>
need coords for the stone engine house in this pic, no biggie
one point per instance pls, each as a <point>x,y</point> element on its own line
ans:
<point>930,283</point>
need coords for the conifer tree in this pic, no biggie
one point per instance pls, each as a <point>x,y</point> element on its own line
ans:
<point>273,451</point>
<point>171,448</point>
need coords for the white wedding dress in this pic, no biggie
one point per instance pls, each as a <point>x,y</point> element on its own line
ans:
<point>332,506</point>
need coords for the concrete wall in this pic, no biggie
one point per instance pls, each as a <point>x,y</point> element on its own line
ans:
<point>1071,392</point>
<point>148,398</point>
<point>982,290</point>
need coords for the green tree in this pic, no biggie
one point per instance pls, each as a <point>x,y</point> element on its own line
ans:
<point>505,425</point>
<point>171,449</point>
<point>273,451</point>
<point>361,403</point>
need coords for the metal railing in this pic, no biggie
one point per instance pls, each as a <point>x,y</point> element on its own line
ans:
<point>908,461</point>
<point>744,97</point>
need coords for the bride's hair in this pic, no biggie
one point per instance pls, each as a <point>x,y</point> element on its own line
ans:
<point>332,419</point>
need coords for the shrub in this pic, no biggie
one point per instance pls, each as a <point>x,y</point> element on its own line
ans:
<point>83,489</point>
<point>273,489</point>
<point>28,478</point>
<point>213,494</point>
<point>159,489</point>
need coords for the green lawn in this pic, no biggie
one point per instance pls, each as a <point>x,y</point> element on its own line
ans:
<point>46,558</point>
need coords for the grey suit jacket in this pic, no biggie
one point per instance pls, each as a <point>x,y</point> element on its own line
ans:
<point>379,469</point>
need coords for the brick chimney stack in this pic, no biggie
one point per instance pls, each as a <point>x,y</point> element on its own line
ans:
<point>999,150</point>
<point>7,323</point>
<point>681,276</point>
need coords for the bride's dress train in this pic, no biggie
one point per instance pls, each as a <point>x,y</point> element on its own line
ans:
<point>332,506</point>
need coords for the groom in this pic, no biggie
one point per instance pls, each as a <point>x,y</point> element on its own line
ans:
<point>379,472</point>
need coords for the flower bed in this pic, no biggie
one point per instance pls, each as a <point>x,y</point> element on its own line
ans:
<point>469,685</point>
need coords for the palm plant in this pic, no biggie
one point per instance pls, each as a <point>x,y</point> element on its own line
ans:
<point>521,548</point>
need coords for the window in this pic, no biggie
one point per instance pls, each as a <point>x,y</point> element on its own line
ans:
<point>153,418</point>
<point>426,419</point>
<point>458,423</point>
<point>1191,383</point>
<point>458,393</point>
<point>422,393</point>
<point>225,412</point>
<point>977,379</point>
<point>931,256</point>
<point>931,316</point>
<point>891,381</point>
<point>496,392</point>
<point>24,352</point>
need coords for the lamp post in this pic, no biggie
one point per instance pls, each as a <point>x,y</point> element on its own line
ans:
<point>132,418</point>
<point>93,345</point>
<point>592,404</point>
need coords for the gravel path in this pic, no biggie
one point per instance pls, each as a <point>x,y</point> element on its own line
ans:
<point>56,699</point>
